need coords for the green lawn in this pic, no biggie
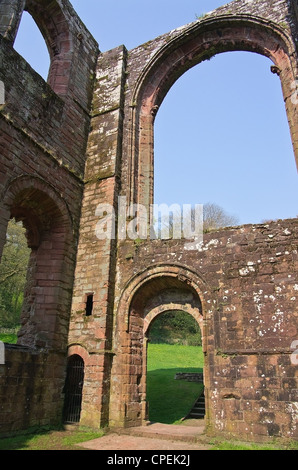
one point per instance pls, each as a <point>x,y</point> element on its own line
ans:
<point>51,440</point>
<point>170,400</point>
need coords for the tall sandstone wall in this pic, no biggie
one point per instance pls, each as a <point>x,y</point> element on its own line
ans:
<point>248,290</point>
<point>69,148</point>
<point>43,136</point>
<point>245,276</point>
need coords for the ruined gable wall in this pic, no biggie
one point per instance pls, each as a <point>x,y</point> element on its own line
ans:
<point>249,272</point>
<point>243,269</point>
<point>243,358</point>
<point>43,137</point>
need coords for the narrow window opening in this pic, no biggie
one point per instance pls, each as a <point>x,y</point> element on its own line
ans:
<point>31,45</point>
<point>89,305</point>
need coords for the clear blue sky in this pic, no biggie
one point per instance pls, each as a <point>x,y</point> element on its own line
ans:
<point>221,134</point>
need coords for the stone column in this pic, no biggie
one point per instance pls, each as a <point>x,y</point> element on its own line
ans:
<point>10,16</point>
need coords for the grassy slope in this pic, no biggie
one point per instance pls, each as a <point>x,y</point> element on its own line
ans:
<point>170,400</point>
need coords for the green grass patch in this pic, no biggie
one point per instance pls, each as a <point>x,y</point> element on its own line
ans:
<point>242,446</point>
<point>170,400</point>
<point>52,440</point>
<point>234,445</point>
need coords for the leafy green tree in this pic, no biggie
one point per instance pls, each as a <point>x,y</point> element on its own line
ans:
<point>13,271</point>
<point>175,327</point>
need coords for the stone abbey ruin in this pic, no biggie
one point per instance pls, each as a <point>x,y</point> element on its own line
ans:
<point>85,138</point>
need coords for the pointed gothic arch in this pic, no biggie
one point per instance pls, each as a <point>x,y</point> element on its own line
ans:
<point>55,24</point>
<point>198,42</point>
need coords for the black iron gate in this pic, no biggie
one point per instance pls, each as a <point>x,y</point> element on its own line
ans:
<point>73,389</point>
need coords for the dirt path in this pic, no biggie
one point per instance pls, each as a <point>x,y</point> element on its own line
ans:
<point>152,437</point>
<point>116,442</point>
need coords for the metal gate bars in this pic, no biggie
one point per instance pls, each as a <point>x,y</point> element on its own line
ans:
<point>73,389</point>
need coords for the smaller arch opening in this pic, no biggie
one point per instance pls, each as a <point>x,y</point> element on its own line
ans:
<point>159,394</point>
<point>73,389</point>
<point>156,290</point>
<point>47,28</point>
<point>46,222</point>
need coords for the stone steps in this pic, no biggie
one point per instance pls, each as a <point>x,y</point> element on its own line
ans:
<point>185,433</point>
<point>192,430</point>
<point>198,410</point>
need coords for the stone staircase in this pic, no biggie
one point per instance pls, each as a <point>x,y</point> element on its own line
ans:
<point>198,409</point>
<point>187,433</point>
<point>190,431</point>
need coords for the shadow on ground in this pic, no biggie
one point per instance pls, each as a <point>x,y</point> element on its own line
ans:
<point>171,400</point>
<point>51,439</point>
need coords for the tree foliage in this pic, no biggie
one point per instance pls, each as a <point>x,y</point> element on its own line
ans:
<point>13,270</point>
<point>216,217</point>
<point>175,327</point>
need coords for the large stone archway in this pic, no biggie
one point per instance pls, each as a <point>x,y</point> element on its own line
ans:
<point>196,43</point>
<point>49,232</point>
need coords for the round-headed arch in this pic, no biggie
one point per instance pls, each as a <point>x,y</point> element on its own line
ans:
<point>196,43</point>
<point>155,290</point>
<point>49,233</point>
<point>36,203</point>
<point>161,278</point>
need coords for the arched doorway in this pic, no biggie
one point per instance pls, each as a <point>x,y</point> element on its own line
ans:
<point>154,291</point>
<point>73,389</point>
<point>175,364</point>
